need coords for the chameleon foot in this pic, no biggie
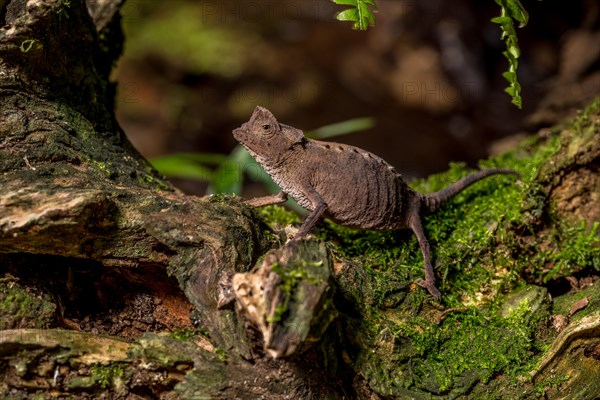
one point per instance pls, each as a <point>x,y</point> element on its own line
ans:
<point>430,286</point>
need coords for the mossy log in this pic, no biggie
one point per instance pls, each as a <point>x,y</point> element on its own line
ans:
<point>84,219</point>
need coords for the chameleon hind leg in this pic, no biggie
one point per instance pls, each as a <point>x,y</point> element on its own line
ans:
<point>429,281</point>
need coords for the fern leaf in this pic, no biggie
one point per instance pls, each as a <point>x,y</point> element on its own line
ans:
<point>361,13</point>
<point>510,11</point>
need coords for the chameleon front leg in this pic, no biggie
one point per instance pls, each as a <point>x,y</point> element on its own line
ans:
<point>318,203</point>
<point>319,207</point>
<point>429,281</point>
<point>278,198</point>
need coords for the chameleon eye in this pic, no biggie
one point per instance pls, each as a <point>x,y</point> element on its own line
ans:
<point>266,127</point>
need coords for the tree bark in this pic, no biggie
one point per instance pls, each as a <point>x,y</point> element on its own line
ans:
<point>87,224</point>
<point>75,193</point>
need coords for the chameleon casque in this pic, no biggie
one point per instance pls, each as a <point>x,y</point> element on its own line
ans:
<point>349,185</point>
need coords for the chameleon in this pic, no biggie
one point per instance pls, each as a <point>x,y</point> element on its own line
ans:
<point>346,184</point>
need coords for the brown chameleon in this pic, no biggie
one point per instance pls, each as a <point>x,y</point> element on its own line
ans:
<point>349,185</point>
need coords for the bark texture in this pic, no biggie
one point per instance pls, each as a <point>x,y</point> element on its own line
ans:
<point>86,224</point>
<point>76,195</point>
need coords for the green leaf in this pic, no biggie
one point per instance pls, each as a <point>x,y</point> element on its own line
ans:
<point>510,11</point>
<point>360,14</point>
<point>367,16</point>
<point>350,14</point>
<point>353,3</point>
<point>517,12</point>
<point>501,20</point>
<point>515,51</point>
<point>509,76</point>
<point>176,166</point>
<point>228,178</point>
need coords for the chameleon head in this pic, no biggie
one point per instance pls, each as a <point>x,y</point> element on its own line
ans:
<point>265,138</point>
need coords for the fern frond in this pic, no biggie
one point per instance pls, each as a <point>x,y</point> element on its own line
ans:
<point>510,11</point>
<point>360,13</point>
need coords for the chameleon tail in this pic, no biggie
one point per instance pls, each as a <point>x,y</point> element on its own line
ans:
<point>435,200</point>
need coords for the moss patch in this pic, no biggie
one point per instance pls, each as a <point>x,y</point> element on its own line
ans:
<point>489,244</point>
<point>277,216</point>
<point>108,375</point>
<point>21,307</point>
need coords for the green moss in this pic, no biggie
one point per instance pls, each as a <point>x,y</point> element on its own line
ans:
<point>554,383</point>
<point>467,346</point>
<point>20,307</point>
<point>278,216</point>
<point>184,334</point>
<point>390,261</point>
<point>587,121</point>
<point>471,342</point>
<point>103,167</point>
<point>290,275</point>
<point>221,354</point>
<point>107,375</point>
<point>81,382</point>
<point>576,247</point>
<point>488,240</point>
<point>474,237</point>
<point>221,198</point>
<point>460,234</point>
<point>150,178</point>
<point>562,305</point>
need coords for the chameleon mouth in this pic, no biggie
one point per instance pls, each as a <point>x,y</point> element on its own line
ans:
<point>241,134</point>
<point>259,159</point>
<point>238,133</point>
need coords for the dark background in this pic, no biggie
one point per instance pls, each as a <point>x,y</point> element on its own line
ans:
<point>429,73</point>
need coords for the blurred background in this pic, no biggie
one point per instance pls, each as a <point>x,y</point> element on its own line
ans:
<point>428,75</point>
